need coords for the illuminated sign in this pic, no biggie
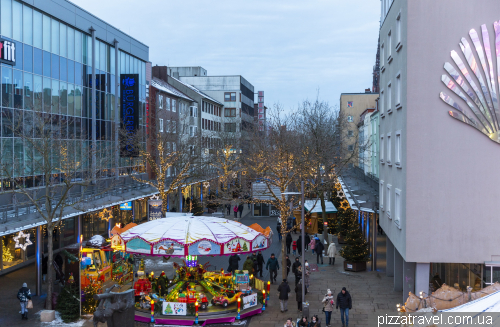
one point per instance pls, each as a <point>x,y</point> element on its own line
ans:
<point>129,114</point>
<point>126,206</point>
<point>7,52</point>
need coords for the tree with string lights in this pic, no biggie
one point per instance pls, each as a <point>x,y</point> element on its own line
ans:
<point>356,250</point>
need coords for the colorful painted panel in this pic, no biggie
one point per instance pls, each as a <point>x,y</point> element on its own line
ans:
<point>138,245</point>
<point>237,245</point>
<point>204,248</point>
<point>117,242</point>
<point>249,301</point>
<point>259,243</point>
<point>168,247</point>
<point>174,309</point>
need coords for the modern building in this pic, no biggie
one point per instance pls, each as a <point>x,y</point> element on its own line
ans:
<point>438,95</point>
<point>56,49</point>
<point>352,105</point>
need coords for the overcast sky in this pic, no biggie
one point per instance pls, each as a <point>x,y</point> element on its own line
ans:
<point>290,49</point>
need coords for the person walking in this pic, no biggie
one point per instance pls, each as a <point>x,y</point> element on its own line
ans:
<point>294,225</point>
<point>332,252</point>
<point>328,303</point>
<point>288,265</point>
<point>273,266</point>
<point>299,245</point>
<point>24,295</point>
<point>260,263</point>
<point>233,263</point>
<point>228,208</point>
<point>312,244</point>
<point>298,295</point>
<point>296,265</point>
<point>308,240</point>
<point>240,209</point>
<point>278,228</point>
<point>294,247</point>
<point>319,247</point>
<point>306,274</point>
<point>235,210</point>
<point>289,241</point>
<point>344,301</point>
<point>45,261</point>
<point>283,291</point>
<point>248,265</point>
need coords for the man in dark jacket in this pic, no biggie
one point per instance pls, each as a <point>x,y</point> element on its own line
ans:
<point>295,267</point>
<point>288,265</point>
<point>278,229</point>
<point>289,241</point>
<point>298,295</point>
<point>319,251</point>
<point>308,240</point>
<point>344,301</point>
<point>273,266</point>
<point>24,295</point>
<point>283,291</point>
<point>260,263</point>
<point>240,209</point>
<point>233,262</point>
<point>299,245</point>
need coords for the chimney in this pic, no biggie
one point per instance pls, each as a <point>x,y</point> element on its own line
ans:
<point>367,91</point>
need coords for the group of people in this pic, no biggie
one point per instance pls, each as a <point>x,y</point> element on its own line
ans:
<point>314,244</point>
<point>238,208</point>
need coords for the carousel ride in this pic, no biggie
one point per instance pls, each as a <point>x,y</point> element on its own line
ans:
<point>193,286</point>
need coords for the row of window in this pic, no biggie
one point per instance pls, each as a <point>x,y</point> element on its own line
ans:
<point>170,104</point>
<point>210,125</point>
<point>385,103</point>
<point>170,126</point>
<point>210,142</point>
<point>386,51</point>
<point>385,201</point>
<point>211,109</point>
<point>386,149</point>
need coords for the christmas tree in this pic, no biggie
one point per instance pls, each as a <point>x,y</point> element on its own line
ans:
<point>6,254</point>
<point>68,303</point>
<point>356,249</point>
<point>196,209</point>
<point>245,247</point>
<point>89,305</point>
<point>168,309</point>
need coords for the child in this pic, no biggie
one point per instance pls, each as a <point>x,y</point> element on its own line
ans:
<point>294,247</point>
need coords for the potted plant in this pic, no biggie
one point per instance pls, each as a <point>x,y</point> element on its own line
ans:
<point>355,252</point>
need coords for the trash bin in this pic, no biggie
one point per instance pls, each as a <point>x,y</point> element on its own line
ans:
<point>305,309</point>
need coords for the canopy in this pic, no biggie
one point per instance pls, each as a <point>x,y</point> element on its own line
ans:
<point>314,206</point>
<point>193,235</point>
<point>488,303</point>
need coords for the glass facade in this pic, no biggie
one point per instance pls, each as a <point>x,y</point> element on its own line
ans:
<point>53,74</point>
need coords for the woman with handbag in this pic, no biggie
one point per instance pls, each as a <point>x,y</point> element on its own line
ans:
<point>24,297</point>
<point>328,304</point>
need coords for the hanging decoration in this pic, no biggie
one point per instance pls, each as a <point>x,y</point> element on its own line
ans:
<point>155,197</point>
<point>22,241</point>
<point>206,184</point>
<point>105,214</point>
<point>344,205</point>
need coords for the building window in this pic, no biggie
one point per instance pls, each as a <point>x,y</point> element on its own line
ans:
<point>397,207</point>
<point>230,96</point>
<point>389,150</point>
<point>160,101</point>
<point>381,106</point>
<point>193,111</point>
<point>397,149</point>
<point>230,112</point>
<point>192,130</point>
<point>381,195</point>
<point>230,127</point>
<point>174,107</point>
<point>382,149</point>
<point>389,98</point>
<point>167,103</point>
<point>398,32</point>
<point>389,47</point>
<point>350,147</point>
<point>388,195</point>
<point>398,91</point>
<point>382,58</point>
<point>161,125</point>
<point>350,133</point>
<point>350,119</point>
<point>174,126</point>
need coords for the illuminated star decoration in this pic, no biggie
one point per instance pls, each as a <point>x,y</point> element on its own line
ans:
<point>344,205</point>
<point>155,197</point>
<point>105,214</point>
<point>24,243</point>
<point>206,184</point>
<point>235,175</point>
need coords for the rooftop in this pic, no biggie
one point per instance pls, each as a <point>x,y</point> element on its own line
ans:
<point>198,91</point>
<point>165,87</point>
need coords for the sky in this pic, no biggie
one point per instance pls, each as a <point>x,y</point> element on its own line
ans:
<point>292,50</point>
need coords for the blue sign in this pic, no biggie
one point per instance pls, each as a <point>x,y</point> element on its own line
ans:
<point>126,206</point>
<point>129,114</point>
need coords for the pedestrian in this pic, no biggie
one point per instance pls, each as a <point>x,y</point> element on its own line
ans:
<point>332,252</point>
<point>307,272</point>
<point>289,241</point>
<point>228,208</point>
<point>44,267</point>
<point>328,303</point>
<point>235,210</point>
<point>319,247</point>
<point>233,263</point>
<point>312,245</point>
<point>289,323</point>
<point>296,265</point>
<point>260,263</point>
<point>240,209</point>
<point>283,291</point>
<point>315,321</point>
<point>298,295</point>
<point>248,265</point>
<point>299,245</point>
<point>288,265</point>
<point>307,241</point>
<point>294,225</point>
<point>278,228</point>
<point>24,295</point>
<point>303,322</point>
<point>162,284</point>
<point>273,266</point>
<point>294,247</point>
<point>344,301</point>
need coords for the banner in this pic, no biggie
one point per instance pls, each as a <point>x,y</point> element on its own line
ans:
<point>174,309</point>
<point>154,209</point>
<point>129,113</point>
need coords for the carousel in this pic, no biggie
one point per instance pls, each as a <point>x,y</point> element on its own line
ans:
<point>194,292</point>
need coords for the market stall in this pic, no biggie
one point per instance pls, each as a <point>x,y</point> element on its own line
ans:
<point>193,291</point>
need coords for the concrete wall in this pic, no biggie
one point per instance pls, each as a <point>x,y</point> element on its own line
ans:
<point>453,180</point>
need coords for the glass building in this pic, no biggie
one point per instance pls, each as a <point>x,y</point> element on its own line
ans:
<point>52,73</point>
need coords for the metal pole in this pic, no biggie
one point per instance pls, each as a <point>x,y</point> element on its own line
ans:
<point>39,258</point>
<point>117,114</point>
<point>374,240</point>
<point>94,122</point>
<point>303,245</point>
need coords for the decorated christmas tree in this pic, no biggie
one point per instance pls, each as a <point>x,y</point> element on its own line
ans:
<point>89,305</point>
<point>68,303</point>
<point>356,249</point>
<point>245,247</point>
<point>168,309</point>
<point>6,254</point>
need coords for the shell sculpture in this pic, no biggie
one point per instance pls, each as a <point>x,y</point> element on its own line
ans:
<point>475,83</point>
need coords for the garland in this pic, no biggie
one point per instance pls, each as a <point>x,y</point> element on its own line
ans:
<point>71,258</point>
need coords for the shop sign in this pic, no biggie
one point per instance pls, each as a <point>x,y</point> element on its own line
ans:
<point>349,266</point>
<point>204,248</point>
<point>250,301</point>
<point>129,114</point>
<point>126,206</point>
<point>174,309</point>
<point>7,52</point>
<point>154,209</point>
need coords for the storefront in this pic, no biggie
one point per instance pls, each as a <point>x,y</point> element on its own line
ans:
<point>265,210</point>
<point>461,275</point>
